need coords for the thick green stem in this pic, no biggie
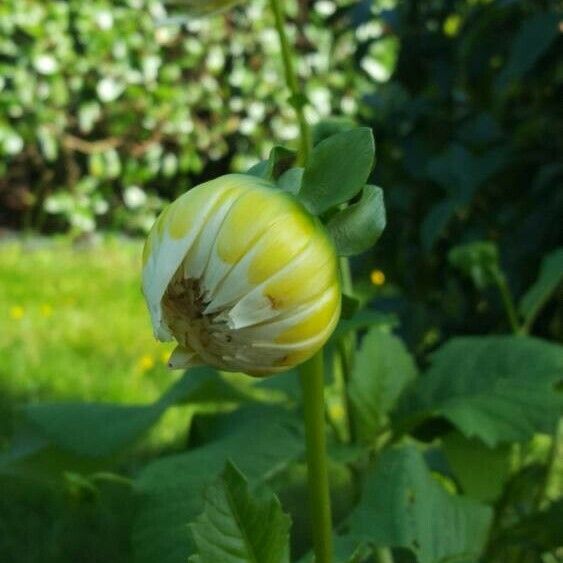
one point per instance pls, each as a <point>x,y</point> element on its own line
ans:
<point>311,374</point>
<point>292,82</point>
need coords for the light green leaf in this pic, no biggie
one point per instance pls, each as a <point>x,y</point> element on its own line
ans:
<point>468,458</point>
<point>338,169</point>
<point>171,489</point>
<point>237,527</point>
<point>550,276</point>
<point>402,505</point>
<point>383,368</point>
<point>496,388</point>
<point>358,227</point>
<point>290,181</point>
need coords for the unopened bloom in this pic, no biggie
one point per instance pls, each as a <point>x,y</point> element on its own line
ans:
<point>242,277</point>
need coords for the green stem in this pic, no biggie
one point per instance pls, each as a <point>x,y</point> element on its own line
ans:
<point>311,374</point>
<point>292,82</point>
<point>346,351</point>
<point>383,555</point>
<point>508,302</point>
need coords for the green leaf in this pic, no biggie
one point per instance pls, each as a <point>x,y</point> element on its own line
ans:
<point>338,169</point>
<point>171,489</point>
<point>103,429</point>
<point>550,276</point>
<point>479,261</point>
<point>331,126</point>
<point>468,457</point>
<point>402,505</point>
<point>290,180</point>
<point>279,161</point>
<point>358,227</point>
<point>383,368</point>
<point>496,388</point>
<point>350,306</point>
<point>237,527</point>
<point>533,39</point>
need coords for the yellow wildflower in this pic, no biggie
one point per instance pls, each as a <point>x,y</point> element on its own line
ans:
<point>16,312</point>
<point>377,277</point>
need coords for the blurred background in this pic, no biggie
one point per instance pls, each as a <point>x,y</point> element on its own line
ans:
<point>109,110</point>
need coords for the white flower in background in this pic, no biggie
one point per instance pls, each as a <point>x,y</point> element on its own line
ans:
<point>134,197</point>
<point>242,277</point>
<point>109,89</point>
<point>45,64</point>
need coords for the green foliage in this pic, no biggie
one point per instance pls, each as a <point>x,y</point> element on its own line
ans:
<point>383,368</point>
<point>358,227</point>
<point>109,110</point>
<point>549,278</point>
<point>338,169</point>
<point>404,506</point>
<point>480,470</point>
<point>171,489</point>
<point>496,388</point>
<point>237,527</point>
<point>104,429</point>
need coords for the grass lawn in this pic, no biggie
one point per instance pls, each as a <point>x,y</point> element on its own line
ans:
<point>73,325</point>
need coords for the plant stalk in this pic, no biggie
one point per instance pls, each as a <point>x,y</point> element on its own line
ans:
<point>311,374</point>
<point>508,302</point>
<point>297,97</point>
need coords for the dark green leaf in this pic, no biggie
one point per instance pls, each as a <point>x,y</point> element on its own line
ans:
<point>237,527</point>
<point>279,161</point>
<point>468,458</point>
<point>550,276</point>
<point>358,227</point>
<point>350,306</point>
<point>331,126</point>
<point>496,388</point>
<point>383,368</point>
<point>533,39</point>
<point>479,261</point>
<point>103,429</point>
<point>338,169</point>
<point>402,505</point>
<point>171,489</point>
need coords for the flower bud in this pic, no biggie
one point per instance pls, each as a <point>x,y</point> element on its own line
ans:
<point>242,277</point>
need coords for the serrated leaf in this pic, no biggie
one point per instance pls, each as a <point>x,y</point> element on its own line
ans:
<point>549,278</point>
<point>358,227</point>
<point>171,489</point>
<point>338,169</point>
<point>402,505</point>
<point>237,527</point>
<point>383,368</point>
<point>496,388</point>
<point>103,429</point>
<point>468,457</point>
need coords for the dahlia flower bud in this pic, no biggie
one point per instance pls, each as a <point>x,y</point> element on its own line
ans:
<point>242,277</point>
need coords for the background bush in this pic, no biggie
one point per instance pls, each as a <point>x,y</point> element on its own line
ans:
<point>109,108</point>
